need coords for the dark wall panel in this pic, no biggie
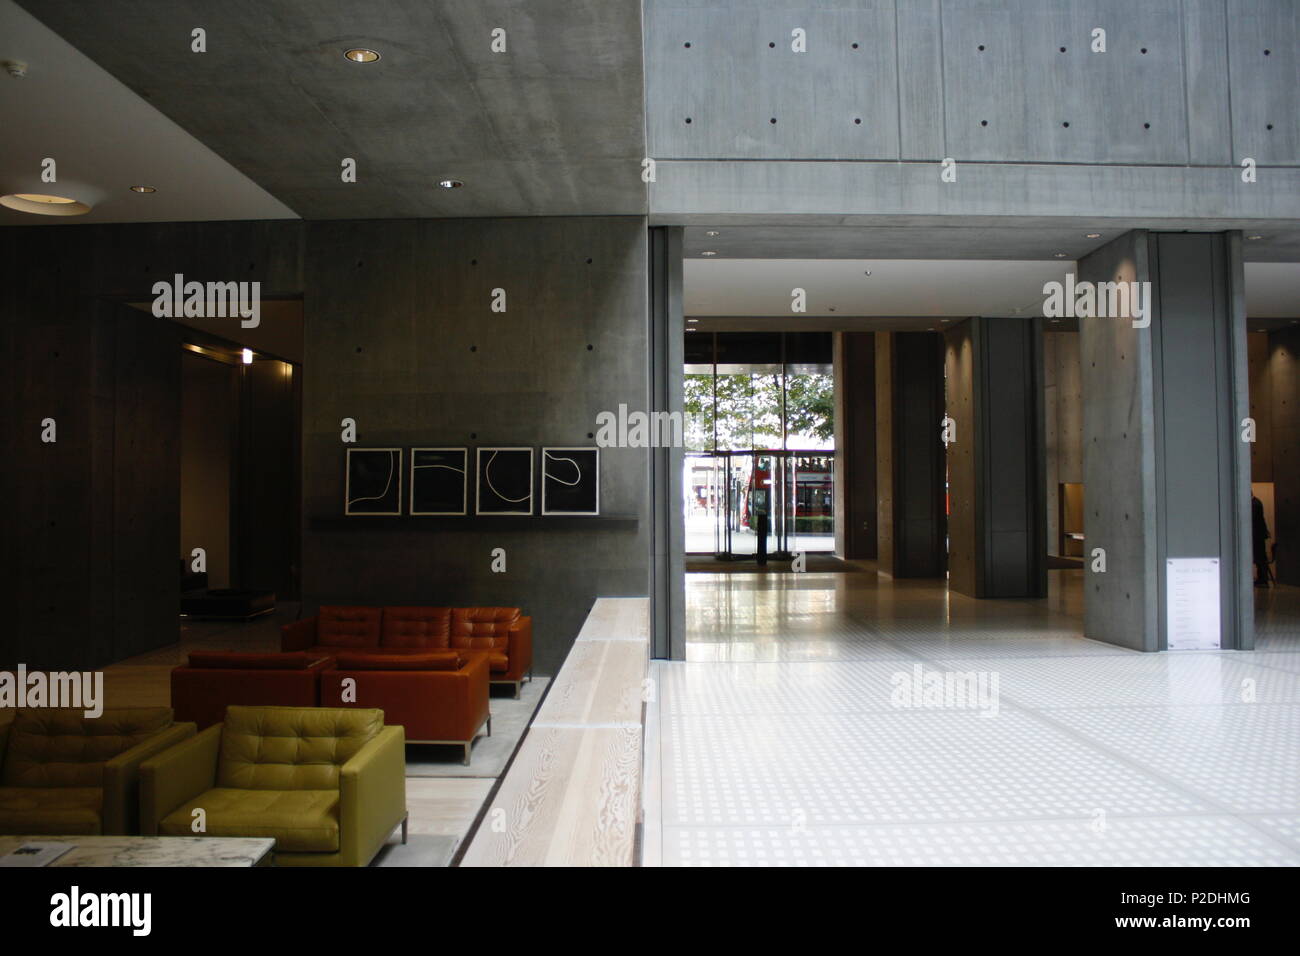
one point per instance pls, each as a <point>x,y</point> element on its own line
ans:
<point>858,454</point>
<point>1284,375</point>
<point>918,455</point>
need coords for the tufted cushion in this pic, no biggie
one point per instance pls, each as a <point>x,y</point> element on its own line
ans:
<point>41,810</point>
<point>482,628</point>
<point>300,821</point>
<point>233,660</point>
<point>62,748</point>
<point>416,627</point>
<point>431,661</point>
<point>348,626</point>
<point>291,748</point>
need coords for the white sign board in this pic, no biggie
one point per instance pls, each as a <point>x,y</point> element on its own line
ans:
<point>1192,603</point>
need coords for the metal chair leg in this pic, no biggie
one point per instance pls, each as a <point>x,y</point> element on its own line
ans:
<point>405,820</point>
<point>489,725</point>
<point>465,762</point>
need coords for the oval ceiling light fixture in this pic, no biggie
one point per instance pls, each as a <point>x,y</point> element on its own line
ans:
<point>1093,235</point>
<point>451,184</point>
<point>143,189</point>
<point>710,252</point>
<point>40,204</point>
<point>1254,238</point>
<point>712,232</point>
<point>361,55</point>
<point>1060,255</point>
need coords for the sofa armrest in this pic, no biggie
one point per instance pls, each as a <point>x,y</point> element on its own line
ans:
<point>298,636</point>
<point>176,775</point>
<point>372,796</point>
<point>520,647</point>
<point>121,813</point>
<point>5,725</point>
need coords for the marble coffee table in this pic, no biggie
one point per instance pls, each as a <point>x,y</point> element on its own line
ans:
<point>152,850</point>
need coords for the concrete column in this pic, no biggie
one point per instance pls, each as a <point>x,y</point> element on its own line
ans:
<point>665,377</point>
<point>855,445</point>
<point>996,533</point>
<point>1166,475</point>
<point>910,472</point>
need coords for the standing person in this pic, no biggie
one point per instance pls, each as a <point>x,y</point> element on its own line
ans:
<point>1259,536</point>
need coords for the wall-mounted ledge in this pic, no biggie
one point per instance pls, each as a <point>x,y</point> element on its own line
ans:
<point>474,523</point>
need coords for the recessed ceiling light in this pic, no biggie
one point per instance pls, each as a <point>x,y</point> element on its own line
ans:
<point>1094,235</point>
<point>1060,255</point>
<point>708,253</point>
<point>451,184</point>
<point>1254,237</point>
<point>361,55</point>
<point>40,204</point>
<point>692,320</point>
<point>248,356</point>
<point>143,189</point>
<point>712,232</point>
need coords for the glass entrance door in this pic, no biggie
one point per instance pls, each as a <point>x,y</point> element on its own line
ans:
<point>729,493</point>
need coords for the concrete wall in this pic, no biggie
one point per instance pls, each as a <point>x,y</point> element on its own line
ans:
<point>400,338</point>
<point>741,123</point>
<point>1166,474</point>
<point>1119,470</point>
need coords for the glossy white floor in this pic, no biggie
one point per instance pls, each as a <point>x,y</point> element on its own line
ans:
<point>789,737</point>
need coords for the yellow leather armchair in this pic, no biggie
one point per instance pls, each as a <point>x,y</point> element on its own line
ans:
<point>327,783</point>
<point>62,773</point>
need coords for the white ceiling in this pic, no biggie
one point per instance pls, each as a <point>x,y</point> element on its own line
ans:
<point>919,287</point>
<point>104,139</point>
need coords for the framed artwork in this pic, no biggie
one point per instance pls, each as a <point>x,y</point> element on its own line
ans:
<point>570,481</point>
<point>373,484</point>
<point>438,481</point>
<point>505,481</point>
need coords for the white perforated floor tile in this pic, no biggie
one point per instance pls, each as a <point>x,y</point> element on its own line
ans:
<point>1142,841</point>
<point>1244,758</point>
<point>779,744</point>
<point>836,687</point>
<point>896,766</point>
<point>1135,680</point>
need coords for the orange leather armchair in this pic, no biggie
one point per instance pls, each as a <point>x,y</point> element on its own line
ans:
<point>440,697</point>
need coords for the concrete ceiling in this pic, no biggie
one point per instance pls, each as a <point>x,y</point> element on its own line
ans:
<point>746,289</point>
<point>966,239</point>
<point>105,139</point>
<point>553,126</point>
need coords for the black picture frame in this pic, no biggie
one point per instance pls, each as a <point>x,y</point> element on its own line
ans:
<point>372,482</point>
<point>570,480</point>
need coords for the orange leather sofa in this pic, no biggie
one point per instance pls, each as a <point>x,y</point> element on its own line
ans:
<point>213,680</point>
<point>501,634</point>
<point>439,697</point>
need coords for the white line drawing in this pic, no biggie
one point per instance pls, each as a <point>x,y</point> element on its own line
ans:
<point>486,458</point>
<point>414,507</point>
<point>584,500</point>
<point>394,473</point>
